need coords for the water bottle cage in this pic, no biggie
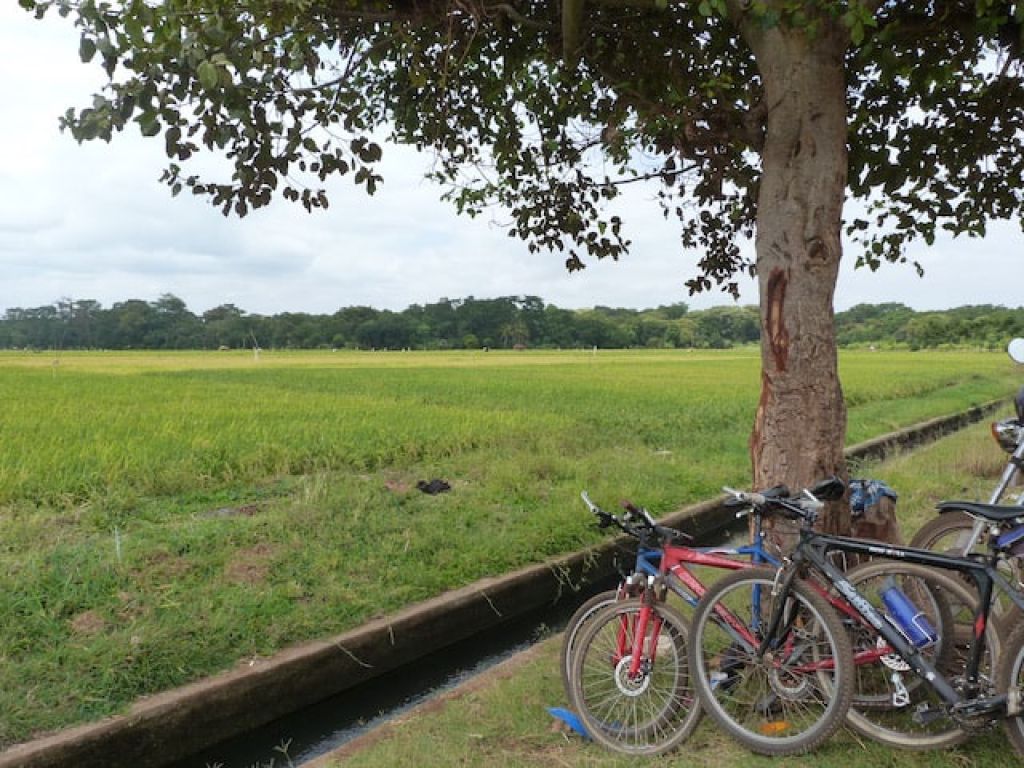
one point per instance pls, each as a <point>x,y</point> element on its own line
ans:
<point>920,623</point>
<point>907,618</point>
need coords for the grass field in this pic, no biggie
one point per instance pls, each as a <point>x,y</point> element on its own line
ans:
<point>163,516</point>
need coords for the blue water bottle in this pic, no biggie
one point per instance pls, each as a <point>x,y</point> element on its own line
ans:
<point>905,615</point>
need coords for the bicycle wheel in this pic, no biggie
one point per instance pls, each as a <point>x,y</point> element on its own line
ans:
<point>788,699</point>
<point>888,695</point>
<point>1010,679</point>
<point>580,617</point>
<point>651,713</point>
<point>949,533</point>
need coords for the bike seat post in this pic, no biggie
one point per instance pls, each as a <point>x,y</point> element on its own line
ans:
<point>976,532</point>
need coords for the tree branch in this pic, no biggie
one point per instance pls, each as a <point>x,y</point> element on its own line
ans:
<point>509,11</point>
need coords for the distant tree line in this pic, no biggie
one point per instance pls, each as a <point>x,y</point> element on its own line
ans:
<point>502,323</point>
<point>470,323</point>
<point>984,326</point>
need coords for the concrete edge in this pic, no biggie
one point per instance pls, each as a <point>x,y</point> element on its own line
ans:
<point>170,726</point>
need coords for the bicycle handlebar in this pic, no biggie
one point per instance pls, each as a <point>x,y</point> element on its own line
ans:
<point>805,507</point>
<point>753,499</point>
<point>636,522</point>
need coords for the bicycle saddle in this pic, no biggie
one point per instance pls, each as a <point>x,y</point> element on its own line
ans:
<point>994,512</point>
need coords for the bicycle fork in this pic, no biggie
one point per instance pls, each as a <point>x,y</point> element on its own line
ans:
<point>637,647</point>
<point>776,621</point>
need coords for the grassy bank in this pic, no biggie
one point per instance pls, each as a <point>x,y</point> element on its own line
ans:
<point>164,516</point>
<point>505,724</point>
<point>502,721</point>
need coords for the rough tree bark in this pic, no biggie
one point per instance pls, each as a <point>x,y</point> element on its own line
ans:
<point>800,426</point>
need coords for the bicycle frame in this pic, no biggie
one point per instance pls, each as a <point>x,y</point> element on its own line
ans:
<point>672,570</point>
<point>814,547</point>
<point>670,566</point>
<point>676,559</point>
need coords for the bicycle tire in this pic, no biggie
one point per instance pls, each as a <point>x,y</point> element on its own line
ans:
<point>788,701</point>
<point>949,529</point>
<point>577,621</point>
<point>649,715</point>
<point>873,711</point>
<point>1010,677</point>
<point>948,533</point>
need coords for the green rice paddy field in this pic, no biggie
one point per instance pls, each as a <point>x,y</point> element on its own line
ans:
<point>164,516</point>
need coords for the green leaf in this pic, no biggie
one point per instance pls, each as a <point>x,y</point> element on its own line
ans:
<point>87,49</point>
<point>704,9</point>
<point>857,32</point>
<point>149,124</point>
<point>133,28</point>
<point>208,75</point>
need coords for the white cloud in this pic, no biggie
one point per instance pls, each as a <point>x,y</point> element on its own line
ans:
<point>92,221</point>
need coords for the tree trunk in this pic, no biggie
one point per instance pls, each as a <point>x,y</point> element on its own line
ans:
<point>800,427</point>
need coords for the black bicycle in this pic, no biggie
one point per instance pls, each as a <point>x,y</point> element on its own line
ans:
<point>757,640</point>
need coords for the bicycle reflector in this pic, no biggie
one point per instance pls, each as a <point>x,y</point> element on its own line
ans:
<point>774,727</point>
<point>1008,433</point>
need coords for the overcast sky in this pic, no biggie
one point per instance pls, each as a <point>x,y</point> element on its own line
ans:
<point>93,222</point>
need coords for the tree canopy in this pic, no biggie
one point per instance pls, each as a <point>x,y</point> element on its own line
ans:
<point>293,92</point>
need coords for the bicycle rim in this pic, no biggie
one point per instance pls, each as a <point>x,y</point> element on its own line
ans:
<point>793,697</point>
<point>647,714</point>
<point>574,629</point>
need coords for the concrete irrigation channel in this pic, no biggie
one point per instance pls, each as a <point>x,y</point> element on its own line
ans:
<point>174,728</point>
